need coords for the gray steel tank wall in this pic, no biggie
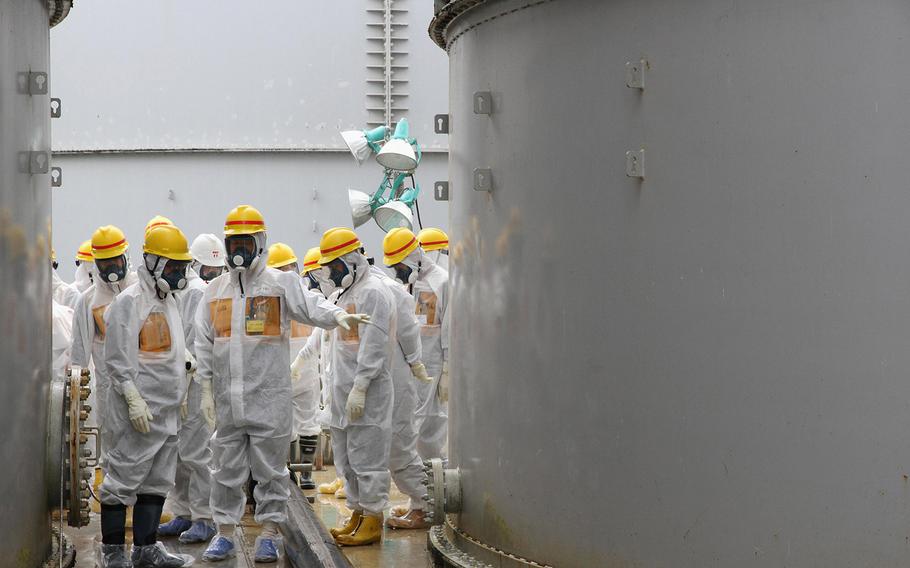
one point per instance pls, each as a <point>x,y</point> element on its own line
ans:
<point>25,318</point>
<point>707,367</point>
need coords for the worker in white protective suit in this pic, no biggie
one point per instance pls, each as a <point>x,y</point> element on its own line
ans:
<point>242,352</point>
<point>435,242</point>
<point>61,338</point>
<point>429,285</point>
<point>110,248</point>
<point>362,393</point>
<point>208,257</point>
<point>318,353</point>
<point>405,464</point>
<point>189,500</point>
<point>85,267</point>
<point>304,372</point>
<point>63,293</point>
<point>145,355</point>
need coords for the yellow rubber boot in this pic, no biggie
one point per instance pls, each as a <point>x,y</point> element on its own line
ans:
<point>341,494</point>
<point>331,488</point>
<point>349,527</point>
<point>96,489</point>
<point>367,532</point>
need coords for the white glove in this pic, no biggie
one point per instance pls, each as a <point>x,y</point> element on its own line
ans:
<point>207,406</point>
<point>356,401</point>
<point>140,415</point>
<point>346,320</point>
<point>190,362</point>
<point>443,390</point>
<point>419,371</point>
<point>297,366</point>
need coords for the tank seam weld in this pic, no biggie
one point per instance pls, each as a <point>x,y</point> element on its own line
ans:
<point>491,548</point>
<point>449,43</point>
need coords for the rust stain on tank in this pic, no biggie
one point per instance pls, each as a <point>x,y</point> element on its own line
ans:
<point>497,522</point>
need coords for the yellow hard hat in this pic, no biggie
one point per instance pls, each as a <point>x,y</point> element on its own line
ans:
<point>397,244</point>
<point>433,239</point>
<point>311,260</point>
<point>243,220</point>
<point>336,243</point>
<point>167,241</point>
<point>84,253</point>
<point>108,242</point>
<point>157,221</point>
<point>280,255</point>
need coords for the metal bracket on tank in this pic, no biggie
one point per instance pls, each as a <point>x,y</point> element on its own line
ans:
<point>483,102</point>
<point>635,73</point>
<point>441,124</point>
<point>56,176</point>
<point>635,163</point>
<point>441,191</point>
<point>38,162</point>
<point>37,83</point>
<point>56,108</point>
<point>483,179</point>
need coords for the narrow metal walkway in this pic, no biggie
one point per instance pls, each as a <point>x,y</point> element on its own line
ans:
<point>307,542</point>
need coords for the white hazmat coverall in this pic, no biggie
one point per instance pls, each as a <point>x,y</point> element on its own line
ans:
<point>84,273</point>
<point>363,357</point>
<point>305,390</point>
<point>61,339</point>
<point>431,293</point>
<point>88,345</point>
<point>404,462</point>
<point>64,294</point>
<point>242,345</point>
<point>193,485</point>
<point>144,346</point>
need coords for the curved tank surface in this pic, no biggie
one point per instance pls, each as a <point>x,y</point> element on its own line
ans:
<point>706,366</point>
<point>25,312</point>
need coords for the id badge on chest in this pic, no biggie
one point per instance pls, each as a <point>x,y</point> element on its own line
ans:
<point>426,308</point>
<point>263,316</point>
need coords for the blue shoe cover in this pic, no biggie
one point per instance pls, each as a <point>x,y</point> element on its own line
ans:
<point>201,531</point>
<point>176,526</point>
<point>220,548</point>
<point>266,550</point>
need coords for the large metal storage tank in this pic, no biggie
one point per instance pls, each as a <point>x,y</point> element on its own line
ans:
<point>708,366</point>
<point>25,310</point>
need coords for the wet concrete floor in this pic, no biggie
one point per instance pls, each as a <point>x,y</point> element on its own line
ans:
<point>399,549</point>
